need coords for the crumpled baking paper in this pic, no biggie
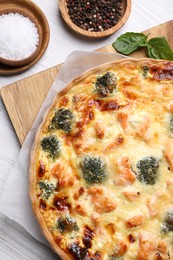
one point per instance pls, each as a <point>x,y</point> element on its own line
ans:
<point>15,202</point>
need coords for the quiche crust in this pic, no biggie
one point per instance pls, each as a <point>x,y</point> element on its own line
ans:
<point>120,123</point>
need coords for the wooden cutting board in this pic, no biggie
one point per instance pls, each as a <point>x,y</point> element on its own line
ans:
<point>24,98</point>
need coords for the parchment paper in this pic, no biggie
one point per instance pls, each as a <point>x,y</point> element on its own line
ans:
<point>15,202</point>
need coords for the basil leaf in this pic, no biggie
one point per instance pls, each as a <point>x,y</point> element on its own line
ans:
<point>158,48</point>
<point>129,42</point>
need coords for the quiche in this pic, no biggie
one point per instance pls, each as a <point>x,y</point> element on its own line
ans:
<point>101,174</point>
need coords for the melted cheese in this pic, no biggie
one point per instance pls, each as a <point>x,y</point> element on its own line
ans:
<point>122,205</point>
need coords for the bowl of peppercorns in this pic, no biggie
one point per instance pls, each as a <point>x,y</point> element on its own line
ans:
<point>93,18</point>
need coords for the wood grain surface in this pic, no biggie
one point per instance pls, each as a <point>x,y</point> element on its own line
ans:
<point>32,11</point>
<point>24,98</point>
<point>126,9</point>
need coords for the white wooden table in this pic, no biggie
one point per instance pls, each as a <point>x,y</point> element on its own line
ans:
<point>15,242</point>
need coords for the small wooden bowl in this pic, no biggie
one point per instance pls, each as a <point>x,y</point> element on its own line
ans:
<point>30,58</point>
<point>34,13</point>
<point>126,4</point>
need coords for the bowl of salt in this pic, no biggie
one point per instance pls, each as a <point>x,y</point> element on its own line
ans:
<point>19,41</point>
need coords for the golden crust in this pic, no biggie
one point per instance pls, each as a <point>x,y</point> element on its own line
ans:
<point>33,170</point>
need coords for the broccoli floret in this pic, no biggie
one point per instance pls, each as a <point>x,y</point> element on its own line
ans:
<point>93,170</point>
<point>63,119</point>
<point>51,145</point>
<point>148,170</point>
<point>168,222</point>
<point>145,70</point>
<point>46,188</point>
<point>67,224</point>
<point>106,84</point>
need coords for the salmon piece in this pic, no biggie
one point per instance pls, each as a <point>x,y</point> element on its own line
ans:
<point>129,93</point>
<point>169,183</point>
<point>122,248</point>
<point>100,132</point>
<point>135,221</point>
<point>102,202</point>
<point>93,190</point>
<point>100,232</point>
<point>124,162</point>
<point>152,207</point>
<point>78,193</point>
<point>107,205</point>
<point>111,145</point>
<point>63,173</point>
<point>169,186</point>
<point>170,107</point>
<point>127,176</point>
<point>111,228</point>
<point>142,254</point>
<point>116,142</point>
<point>146,246</point>
<point>149,245</point>
<point>57,168</point>
<point>131,195</point>
<point>143,127</point>
<point>122,118</point>
<point>162,247</point>
<point>169,154</point>
<point>81,210</point>
<point>80,102</point>
<point>64,101</point>
<point>95,218</point>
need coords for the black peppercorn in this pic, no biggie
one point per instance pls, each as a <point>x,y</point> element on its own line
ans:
<point>93,15</point>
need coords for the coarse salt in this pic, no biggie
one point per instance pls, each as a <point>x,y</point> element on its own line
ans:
<point>19,36</point>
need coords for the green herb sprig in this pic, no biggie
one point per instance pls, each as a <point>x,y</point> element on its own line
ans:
<point>156,48</point>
